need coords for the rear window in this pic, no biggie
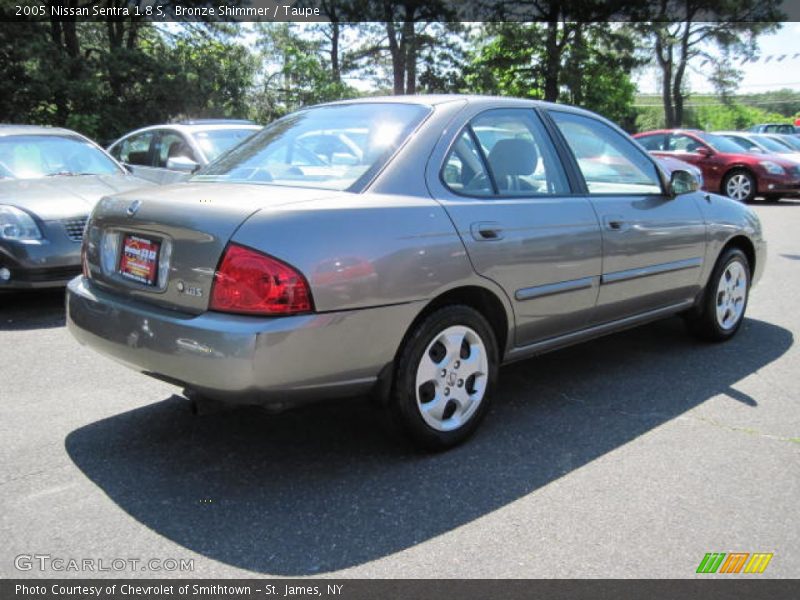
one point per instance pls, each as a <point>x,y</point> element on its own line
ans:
<point>327,147</point>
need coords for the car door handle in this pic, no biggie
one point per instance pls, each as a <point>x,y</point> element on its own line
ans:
<point>486,231</point>
<point>615,223</point>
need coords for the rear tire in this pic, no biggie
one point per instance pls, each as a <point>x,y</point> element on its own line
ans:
<point>721,310</point>
<point>740,185</point>
<point>444,377</point>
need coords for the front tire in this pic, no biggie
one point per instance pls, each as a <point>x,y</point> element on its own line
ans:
<point>444,377</point>
<point>740,185</point>
<point>721,310</point>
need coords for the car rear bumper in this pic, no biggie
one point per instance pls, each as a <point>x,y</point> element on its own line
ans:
<point>242,359</point>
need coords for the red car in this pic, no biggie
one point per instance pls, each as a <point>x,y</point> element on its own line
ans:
<point>727,168</point>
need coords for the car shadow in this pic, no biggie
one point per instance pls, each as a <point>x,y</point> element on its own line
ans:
<point>35,309</point>
<point>324,488</point>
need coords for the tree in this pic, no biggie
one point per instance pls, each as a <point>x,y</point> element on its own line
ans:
<point>593,70</point>
<point>296,71</point>
<point>105,78</point>
<point>704,25</point>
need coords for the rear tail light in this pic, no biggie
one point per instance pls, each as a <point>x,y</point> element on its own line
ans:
<point>250,282</point>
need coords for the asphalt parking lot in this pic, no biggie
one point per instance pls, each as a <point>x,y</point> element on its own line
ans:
<point>630,456</point>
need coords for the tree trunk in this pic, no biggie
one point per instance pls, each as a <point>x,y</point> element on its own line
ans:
<point>336,70</point>
<point>677,84</point>
<point>576,75</point>
<point>398,58</point>
<point>552,60</point>
<point>664,57</point>
<point>410,43</point>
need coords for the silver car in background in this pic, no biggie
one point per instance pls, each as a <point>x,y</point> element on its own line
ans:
<point>171,152</point>
<point>50,179</point>
<point>462,233</point>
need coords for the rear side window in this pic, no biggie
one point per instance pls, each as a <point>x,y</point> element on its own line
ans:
<point>464,170</point>
<point>505,153</point>
<point>609,162</point>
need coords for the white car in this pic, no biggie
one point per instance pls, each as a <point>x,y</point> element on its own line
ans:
<point>169,153</point>
<point>760,143</point>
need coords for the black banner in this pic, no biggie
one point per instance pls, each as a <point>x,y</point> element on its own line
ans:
<point>399,589</point>
<point>351,11</point>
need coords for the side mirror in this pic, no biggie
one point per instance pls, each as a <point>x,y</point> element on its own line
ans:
<point>184,164</point>
<point>682,182</point>
<point>705,151</point>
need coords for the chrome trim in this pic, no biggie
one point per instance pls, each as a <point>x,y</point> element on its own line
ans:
<point>678,265</point>
<point>551,289</point>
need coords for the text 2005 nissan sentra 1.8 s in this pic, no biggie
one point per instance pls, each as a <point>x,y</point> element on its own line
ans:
<point>407,247</point>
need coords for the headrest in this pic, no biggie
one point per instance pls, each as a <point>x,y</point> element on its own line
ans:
<point>513,157</point>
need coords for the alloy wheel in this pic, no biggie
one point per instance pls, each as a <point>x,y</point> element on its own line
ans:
<point>739,187</point>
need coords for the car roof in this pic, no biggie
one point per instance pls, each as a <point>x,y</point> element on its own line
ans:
<point>10,129</point>
<point>435,99</point>
<point>681,130</point>
<point>194,126</point>
<point>742,133</point>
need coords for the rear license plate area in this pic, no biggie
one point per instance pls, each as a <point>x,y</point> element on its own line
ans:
<point>139,259</point>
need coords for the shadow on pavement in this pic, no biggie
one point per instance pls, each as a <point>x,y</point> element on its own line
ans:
<point>324,488</point>
<point>36,309</point>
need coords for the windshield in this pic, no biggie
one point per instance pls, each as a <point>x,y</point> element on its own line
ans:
<point>772,145</point>
<point>32,156</point>
<point>214,142</point>
<point>328,147</point>
<point>721,144</point>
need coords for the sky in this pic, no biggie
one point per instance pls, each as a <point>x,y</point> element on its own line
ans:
<point>756,77</point>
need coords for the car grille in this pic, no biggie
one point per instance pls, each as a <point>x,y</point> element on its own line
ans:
<point>75,228</point>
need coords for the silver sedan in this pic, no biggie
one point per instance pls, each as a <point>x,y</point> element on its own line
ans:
<point>406,247</point>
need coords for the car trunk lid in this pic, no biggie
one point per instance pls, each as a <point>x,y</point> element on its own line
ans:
<point>180,232</point>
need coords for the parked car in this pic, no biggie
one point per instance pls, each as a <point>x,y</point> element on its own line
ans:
<point>50,180</point>
<point>782,128</point>
<point>169,153</point>
<point>727,167</point>
<point>461,254</point>
<point>790,141</point>
<point>760,143</point>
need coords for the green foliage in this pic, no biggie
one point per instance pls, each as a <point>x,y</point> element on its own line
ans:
<point>104,81</point>
<point>294,73</point>
<point>595,69</point>
<point>732,116</point>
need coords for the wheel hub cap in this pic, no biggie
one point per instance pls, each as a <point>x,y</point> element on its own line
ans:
<point>731,295</point>
<point>451,378</point>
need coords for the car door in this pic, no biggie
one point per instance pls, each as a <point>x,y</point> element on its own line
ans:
<point>171,144</point>
<point>653,244</point>
<point>504,187</point>
<point>136,153</point>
